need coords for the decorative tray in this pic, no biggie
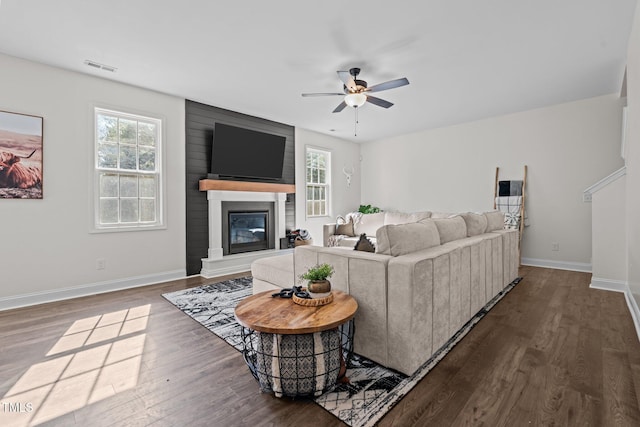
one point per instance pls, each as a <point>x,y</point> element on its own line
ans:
<point>314,302</point>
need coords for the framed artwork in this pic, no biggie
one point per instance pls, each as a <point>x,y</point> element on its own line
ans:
<point>20,156</point>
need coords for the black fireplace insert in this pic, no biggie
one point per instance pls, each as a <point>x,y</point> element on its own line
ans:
<point>247,227</point>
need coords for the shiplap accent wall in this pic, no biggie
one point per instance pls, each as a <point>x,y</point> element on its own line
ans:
<point>200,120</point>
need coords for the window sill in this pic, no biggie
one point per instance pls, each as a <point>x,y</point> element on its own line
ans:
<point>125,229</point>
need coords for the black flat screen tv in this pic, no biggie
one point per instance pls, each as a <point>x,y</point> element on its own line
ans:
<point>245,153</point>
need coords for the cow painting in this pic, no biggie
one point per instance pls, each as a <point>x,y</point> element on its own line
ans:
<point>14,174</point>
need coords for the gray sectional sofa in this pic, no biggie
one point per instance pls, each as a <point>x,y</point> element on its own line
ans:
<point>423,283</point>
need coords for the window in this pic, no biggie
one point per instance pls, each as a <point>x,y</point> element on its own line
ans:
<point>127,171</point>
<point>318,180</point>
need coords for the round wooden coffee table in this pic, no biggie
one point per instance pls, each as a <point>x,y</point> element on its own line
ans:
<point>296,350</point>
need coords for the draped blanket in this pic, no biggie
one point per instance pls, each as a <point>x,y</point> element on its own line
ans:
<point>511,205</point>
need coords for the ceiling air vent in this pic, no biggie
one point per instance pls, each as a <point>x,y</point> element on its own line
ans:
<point>100,66</point>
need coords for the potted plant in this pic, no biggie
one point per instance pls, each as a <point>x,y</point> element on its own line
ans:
<point>318,286</point>
<point>368,209</point>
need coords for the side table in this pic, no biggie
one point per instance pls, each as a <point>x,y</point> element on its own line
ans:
<point>295,350</point>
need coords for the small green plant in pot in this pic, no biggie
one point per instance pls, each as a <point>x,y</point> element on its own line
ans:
<point>368,209</point>
<point>318,286</point>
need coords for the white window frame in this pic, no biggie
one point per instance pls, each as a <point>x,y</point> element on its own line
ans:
<point>326,186</point>
<point>158,173</point>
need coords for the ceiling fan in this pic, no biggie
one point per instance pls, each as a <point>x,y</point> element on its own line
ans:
<point>356,92</point>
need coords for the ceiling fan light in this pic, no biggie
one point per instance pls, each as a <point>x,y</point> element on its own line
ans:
<point>355,100</point>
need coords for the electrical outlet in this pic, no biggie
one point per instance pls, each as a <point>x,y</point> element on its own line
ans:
<point>555,246</point>
<point>101,264</point>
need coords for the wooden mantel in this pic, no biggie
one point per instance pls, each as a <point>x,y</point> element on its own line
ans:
<point>265,187</point>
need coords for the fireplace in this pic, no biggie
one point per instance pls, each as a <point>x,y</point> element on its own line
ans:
<point>220,260</point>
<point>247,227</point>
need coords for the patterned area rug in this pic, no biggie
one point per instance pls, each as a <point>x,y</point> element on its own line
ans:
<point>373,389</point>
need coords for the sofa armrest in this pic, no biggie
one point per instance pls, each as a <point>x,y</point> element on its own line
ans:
<point>419,307</point>
<point>363,275</point>
<point>328,230</point>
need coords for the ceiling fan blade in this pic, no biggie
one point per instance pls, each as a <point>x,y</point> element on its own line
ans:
<point>322,94</point>
<point>340,107</point>
<point>347,80</point>
<point>391,84</point>
<point>379,102</point>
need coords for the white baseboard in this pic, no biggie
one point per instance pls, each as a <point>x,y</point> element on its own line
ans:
<point>209,273</point>
<point>620,286</point>
<point>237,263</point>
<point>633,309</point>
<point>42,297</point>
<point>609,285</point>
<point>559,265</point>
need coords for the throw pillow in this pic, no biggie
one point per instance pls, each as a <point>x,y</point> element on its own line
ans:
<point>364,244</point>
<point>406,238</point>
<point>451,229</point>
<point>476,223</point>
<point>346,228</point>
<point>495,220</point>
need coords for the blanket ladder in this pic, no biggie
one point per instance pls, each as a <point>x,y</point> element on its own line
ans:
<point>496,205</point>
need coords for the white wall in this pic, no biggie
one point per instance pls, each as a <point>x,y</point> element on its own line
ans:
<point>567,148</point>
<point>633,158</point>
<point>609,238</point>
<point>344,154</point>
<point>47,245</point>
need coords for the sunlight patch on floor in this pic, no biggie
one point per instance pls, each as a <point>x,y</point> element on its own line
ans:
<point>102,328</point>
<point>96,358</point>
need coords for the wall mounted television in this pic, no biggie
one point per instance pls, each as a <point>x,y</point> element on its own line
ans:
<point>246,154</point>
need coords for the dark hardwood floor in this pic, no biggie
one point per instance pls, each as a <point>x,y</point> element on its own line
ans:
<point>552,352</point>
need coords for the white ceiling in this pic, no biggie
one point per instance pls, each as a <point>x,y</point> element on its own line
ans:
<point>465,59</point>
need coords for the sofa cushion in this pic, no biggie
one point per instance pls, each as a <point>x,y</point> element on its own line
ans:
<point>391,217</point>
<point>450,229</point>
<point>369,224</point>
<point>476,223</point>
<point>402,239</point>
<point>349,242</point>
<point>495,220</point>
<point>276,269</point>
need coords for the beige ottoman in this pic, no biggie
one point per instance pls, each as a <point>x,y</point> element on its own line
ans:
<point>273,273</point>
